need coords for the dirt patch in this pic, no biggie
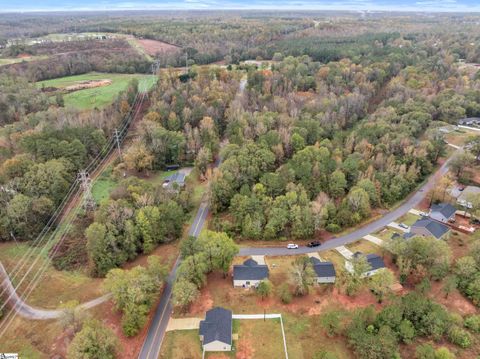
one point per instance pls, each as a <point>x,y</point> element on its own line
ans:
<point>203,303</point>
<point>81,85</point>
<point>455,302</point>
<point>245,347</point>
<point>153,47</point>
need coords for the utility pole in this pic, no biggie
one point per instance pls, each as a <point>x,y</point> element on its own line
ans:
<point>116,134</point>
<point>86,185</point>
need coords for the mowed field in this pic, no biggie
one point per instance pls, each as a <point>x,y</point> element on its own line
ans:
<point>96,97</point>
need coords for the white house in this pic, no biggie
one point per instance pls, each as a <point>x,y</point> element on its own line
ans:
<point>249,274</point>
<point>216,330</point>
<point>375,261</point>
<point>324,271</point>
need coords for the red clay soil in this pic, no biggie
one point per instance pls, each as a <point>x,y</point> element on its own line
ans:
<point>455,302</point>
<point>244,347</point>
<point>153,47</point>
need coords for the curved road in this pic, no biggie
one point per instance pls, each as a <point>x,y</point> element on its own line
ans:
<point>29,312</point>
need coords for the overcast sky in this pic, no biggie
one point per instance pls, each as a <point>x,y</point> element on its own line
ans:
<point>387,5</point>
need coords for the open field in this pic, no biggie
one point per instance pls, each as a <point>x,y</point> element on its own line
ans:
<point>66,285</point>
<point>181,344</point>
<point>260,339</point>
<point>15,60</point>
<point>460,136</point>
<point>96,97</point>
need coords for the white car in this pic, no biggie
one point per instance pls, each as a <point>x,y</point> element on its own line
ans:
<point>292,246</point>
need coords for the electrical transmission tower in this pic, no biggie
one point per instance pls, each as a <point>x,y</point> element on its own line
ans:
<point>116,134</point>
<point>86,185</point>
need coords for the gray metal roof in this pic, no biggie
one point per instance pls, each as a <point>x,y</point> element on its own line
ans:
<point>446,209</point>
<point>250,270</point>
<point>217,326</point>
<point>323,269</point>
<point>436,229</point>
<point>375,261</point>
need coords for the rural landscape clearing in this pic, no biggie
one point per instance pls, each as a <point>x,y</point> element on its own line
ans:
<point>240,180</point>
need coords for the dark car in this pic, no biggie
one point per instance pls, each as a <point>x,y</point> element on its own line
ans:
<point>314,244</point>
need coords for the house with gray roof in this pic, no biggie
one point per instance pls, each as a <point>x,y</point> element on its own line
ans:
<point>442,212</point>
<point>374,260</point>
<point>324,271</point>
<point>216,330</point>
<point>249,274</point>
<point>174,181</point>
<point>428,227</point>
<point>465,196</point>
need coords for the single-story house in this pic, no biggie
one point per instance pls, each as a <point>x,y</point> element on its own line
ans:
<point>442,212</point>
<point>429,227</point>
<point>324,271</point>
<point>376,263</point>
<point>216,330</point>
<point>249,274</point>
<point>464,197</point>
<point>175,180</point>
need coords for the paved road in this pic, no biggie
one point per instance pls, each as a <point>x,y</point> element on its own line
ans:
<point>410,203</point>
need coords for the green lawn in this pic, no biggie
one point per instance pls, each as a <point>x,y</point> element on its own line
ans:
<point>408,219</point>
<point>97,97</point>
<point>181,344</point>
<point>103,186</point>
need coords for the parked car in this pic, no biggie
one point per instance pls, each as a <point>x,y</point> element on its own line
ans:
<point>292,246</point>
<point>314,244</point>
<point>403,225</point>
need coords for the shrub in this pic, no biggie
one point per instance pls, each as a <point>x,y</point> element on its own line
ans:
<point>460,337</point>
<point>473,323</point>
<point>284,293</point>
<point>425,351</point>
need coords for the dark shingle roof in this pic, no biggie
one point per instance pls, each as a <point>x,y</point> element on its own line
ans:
<point>217,326</point>
<point>446,209</point>
<point>375,261</point>
<point>250,270</point>
<point>323,269</point>
<point>436,229</point>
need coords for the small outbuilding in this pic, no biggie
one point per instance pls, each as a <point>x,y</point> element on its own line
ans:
<point>216,330</point>
<point>443,212</point>
<point>324,271</point>
<point>249,274</point>
<point>429,227</point>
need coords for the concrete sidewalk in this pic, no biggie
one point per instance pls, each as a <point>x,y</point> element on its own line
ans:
<point>315,255</point>
<point>415,212</point>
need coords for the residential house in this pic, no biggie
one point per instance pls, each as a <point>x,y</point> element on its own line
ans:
<point>249,274</point>
<point>428,227</point>
<point>464,196</point>
<point>174,181</point>
<point>443,212</point>
<point>324,271</point>
<point>374,260</point>
<point>216,330</point>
